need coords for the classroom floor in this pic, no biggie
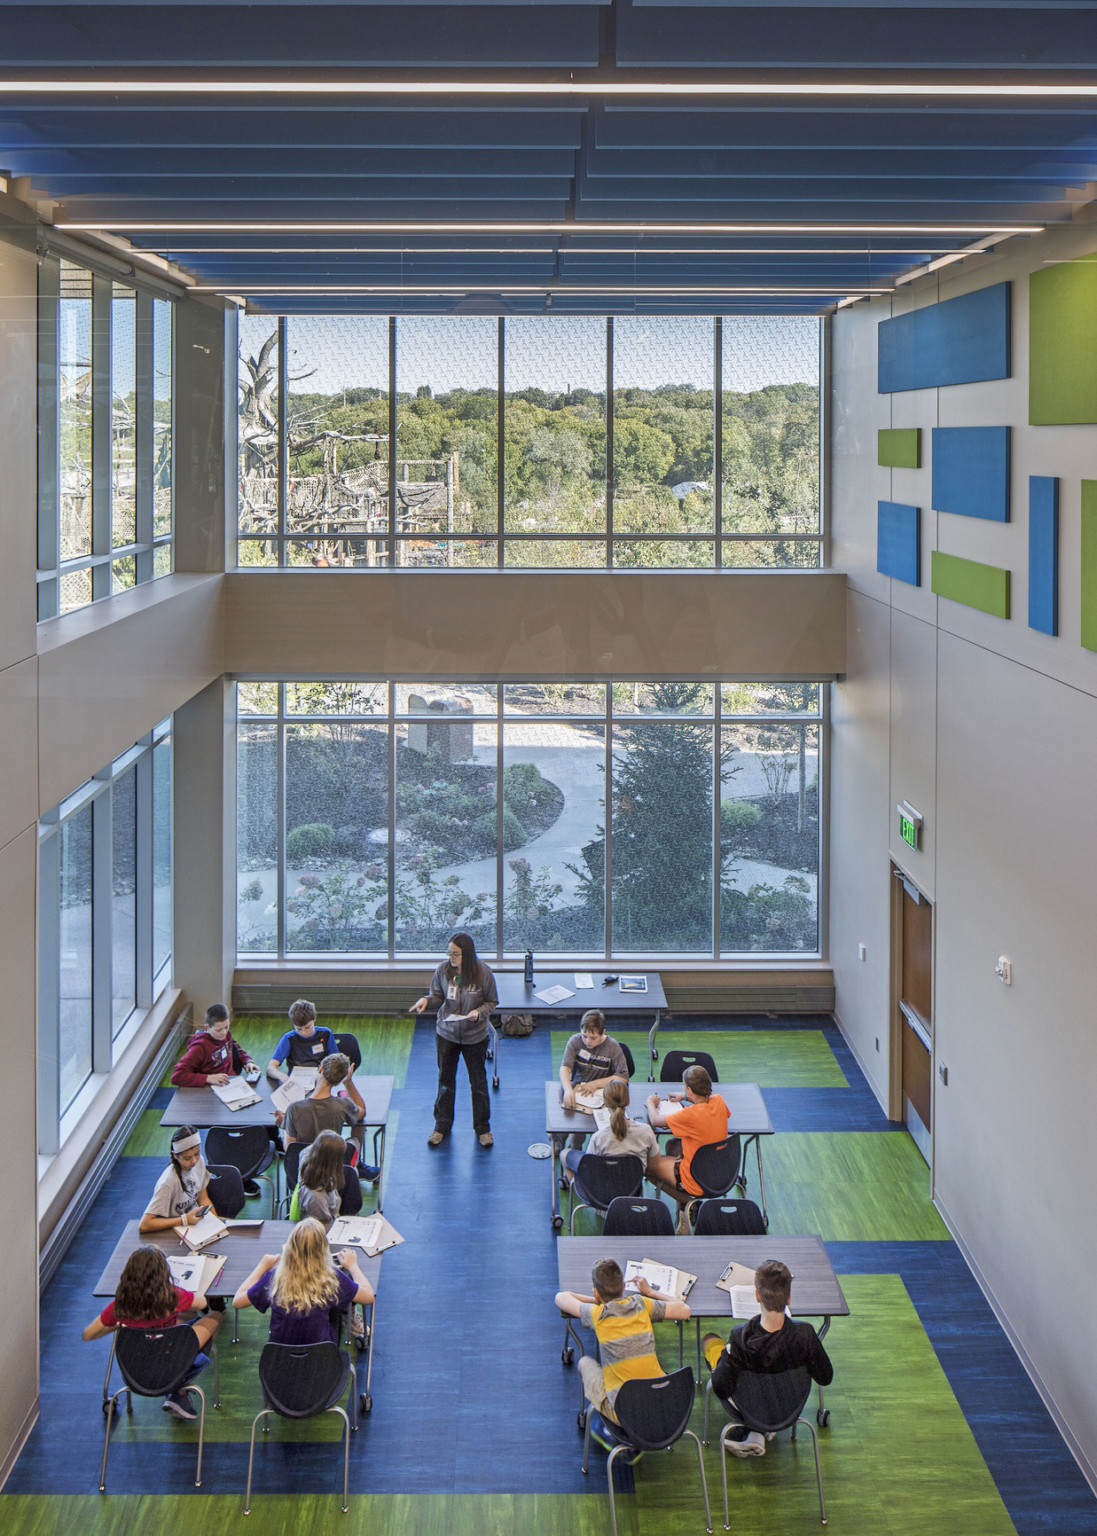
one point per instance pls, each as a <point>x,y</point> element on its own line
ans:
<point>934,1426</point>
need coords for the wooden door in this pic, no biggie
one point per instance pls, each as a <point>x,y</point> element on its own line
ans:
<point>916,1015</point>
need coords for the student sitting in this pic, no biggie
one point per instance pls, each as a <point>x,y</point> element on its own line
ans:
<point>305,1045</point>
<point>623,1327</point>
<point>180,1198</point>
<point>324,1111</point>
<point>147,1298</point>
<point>591,1060</point>
<point>303,1286</point>
<point>703,1119</point>
<point>621,1138</point>
<point>766,1345</point>
<point>212,1056</point>
<point>320,1179</point>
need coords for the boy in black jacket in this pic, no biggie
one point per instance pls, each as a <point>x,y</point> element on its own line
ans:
<point>768,1345</point>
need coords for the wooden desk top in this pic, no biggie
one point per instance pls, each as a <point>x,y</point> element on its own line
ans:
<point>202,1108</point>
<point>747,1112</point>
<point>516,997</point>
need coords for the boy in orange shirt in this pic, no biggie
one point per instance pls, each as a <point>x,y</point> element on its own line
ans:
<point>702,1120</point>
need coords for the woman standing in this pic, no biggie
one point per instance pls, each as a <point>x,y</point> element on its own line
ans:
<point>462,989</point>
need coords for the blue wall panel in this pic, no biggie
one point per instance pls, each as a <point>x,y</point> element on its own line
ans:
<point>898,541</point>
<point>971,471</point>
<point>1043,553</point>
<point>960,341</point>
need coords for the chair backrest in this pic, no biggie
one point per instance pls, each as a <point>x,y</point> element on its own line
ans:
<point>226,1189</point>
<point>729,1218</point>
<point>654,1411</point>
<point>631,1216</point>
<point>155,1363</point>
<point>299,1380</point>
<point>627,1054</point>
<point>244,1147</point>
<point>349,1046</point>
<point>716,1166</point>
<point>772,1402</point>
<point>676,1062</point>
<point>351,1202</point>
<point>599,1180</point>
<point>291,1163</point>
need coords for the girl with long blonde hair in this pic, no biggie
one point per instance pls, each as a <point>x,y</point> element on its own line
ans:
<point>304,1287</point>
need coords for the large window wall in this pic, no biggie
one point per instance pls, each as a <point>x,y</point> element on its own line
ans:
<point>105,437</point>
<point>105,922</point>
<point>600,821</point>
<point>538,441</point>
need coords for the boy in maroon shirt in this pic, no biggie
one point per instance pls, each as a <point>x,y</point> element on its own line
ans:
<point>212,1055</point>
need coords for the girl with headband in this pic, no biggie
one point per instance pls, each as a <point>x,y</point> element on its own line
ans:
<point>180,1197</point>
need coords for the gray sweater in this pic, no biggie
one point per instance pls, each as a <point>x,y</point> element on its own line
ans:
<point>480,1000</point>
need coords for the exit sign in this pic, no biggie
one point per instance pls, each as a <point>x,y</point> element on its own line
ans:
<point>910,825</point>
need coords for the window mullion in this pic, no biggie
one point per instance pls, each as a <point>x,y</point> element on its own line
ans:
<point>49,995</point>
<point>101,932</point>
<point>144,883</point>
<point>145,445</point>
<point>101,295</point>
<point>49,436</point>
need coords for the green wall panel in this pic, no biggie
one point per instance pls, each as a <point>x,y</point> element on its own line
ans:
<point>899,447</point>
<point>970,582</point>
<point>1062,344</point>
<point>1089,564</point>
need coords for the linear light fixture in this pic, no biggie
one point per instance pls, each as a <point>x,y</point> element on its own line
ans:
<point>557,290</point>
<point>54,85</point>
<point>523,227</point>
<point>549,250</point>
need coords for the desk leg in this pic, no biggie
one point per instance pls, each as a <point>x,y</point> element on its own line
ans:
<point>653,1054</point>
<point>556,1168</point>
<point>493,1054</point>
<point>367,1396</point>
<point>761,1179</point>
<point>822,1415</point>
<point>379,1157</point>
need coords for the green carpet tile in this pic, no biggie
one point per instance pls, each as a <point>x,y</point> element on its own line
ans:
<point>848,1186</point>
<point>385,1042</point>
<point>795,1058</point>
<point>148,1139</point>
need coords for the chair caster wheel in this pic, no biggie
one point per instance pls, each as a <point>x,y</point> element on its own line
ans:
<point>495,1084</point>
<point>365,1403</point>
<point>111,1410</point>
<point>581,1420</point>
<point>490,1056</point>
<point>567,1355</point>
<point>822,1417</point>
<point>557,1223</point>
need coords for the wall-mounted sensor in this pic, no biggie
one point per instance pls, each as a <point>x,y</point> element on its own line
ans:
<point>1004,970</point>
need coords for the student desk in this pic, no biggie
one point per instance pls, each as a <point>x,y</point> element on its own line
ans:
<point>516,997</point>
<point>748,1117</point>
<point>815,1288</point>
<point>242,1248</point>
<point>202,1108</point>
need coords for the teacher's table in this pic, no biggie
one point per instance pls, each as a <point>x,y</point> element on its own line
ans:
<point>202,1108</point>
<point>748,1117</point>
<point>815,1288</point>
<point>242,1248</point>
<point>516,996</point>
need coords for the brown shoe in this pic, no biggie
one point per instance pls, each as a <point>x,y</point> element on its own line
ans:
<point>487,1139</point>
<point>436,1138</point>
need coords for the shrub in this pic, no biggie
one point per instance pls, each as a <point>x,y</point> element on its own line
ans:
<point>514,833</point>
<point>738,816</point>
<point>314,840</point>
<point>523,785</point>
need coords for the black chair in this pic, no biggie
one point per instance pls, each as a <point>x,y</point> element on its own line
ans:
<point>248,1149</point>
<point>715,1167</point>
<point>598,1180</point>
<point>627,1054</point>
<point>225,1189</point>
<point>653,1414</point>
<point>676,1062</point>
<point>634,1216</point>
<point>299,1381</point>
<point>729,1218</point>
<point>153,1365</point>
<point>351,1201</point>
<point>350,1048</point>
<point>766,1405</point>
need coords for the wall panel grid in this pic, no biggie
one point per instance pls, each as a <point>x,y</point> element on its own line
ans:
<point>592,820</point>
<point>530,442</point>
<point>105,436</point>
<point>105,921</point>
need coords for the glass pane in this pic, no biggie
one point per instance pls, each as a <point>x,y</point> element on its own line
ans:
<point>74,1051</point>
<point>446,835</point>
<point>162,561</point>
<point>123,574</point>
<point>123,417</point>
<point>75,590</point>
<point>257,698</point>
<point>769,837</point>
<point>257,551</point>
<point>470,554</point>
<point>337,838</point>
<point>662,425</point>
<point>555,425</point>
<point>662,838</point>
<point>336,698</point>
<point>162,420</point>
<point>447,370</point>
<point>123,933</point>
<point>325,553</point>
<point>554,699</point>
<point>554,786</point>
<point>337,422</point>
<point>445,698</point>
<point>161,855</point>
<point>770,698</point>
<point>257,429</point>
<point>766,554</point>
<point>571,554</point>
<point>662,698</point>
<point>74,403</point>
<point>257,819</point>
<point>770,465</point>
<point>688,554</point>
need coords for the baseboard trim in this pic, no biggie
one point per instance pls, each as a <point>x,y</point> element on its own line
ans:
<point>1085,1467</point>
<point>8,1464</point>
<point>860,1060</point>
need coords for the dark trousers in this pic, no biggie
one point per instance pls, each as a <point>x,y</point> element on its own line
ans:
<point>475,1056</point>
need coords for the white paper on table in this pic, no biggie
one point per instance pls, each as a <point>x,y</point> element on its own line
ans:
<point>602,1118</point>
<point>306,1076</point>
<point>289,1093</point>
<point>583,980</point>
<point>236,1093</point>
<point>744,1303</point>
<point>671,1106</point>
<point>553,995</point>
<point>589,1100</point>
<point>355,1232</point>
<point>208,1230</point>
<point>663,1278</point>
